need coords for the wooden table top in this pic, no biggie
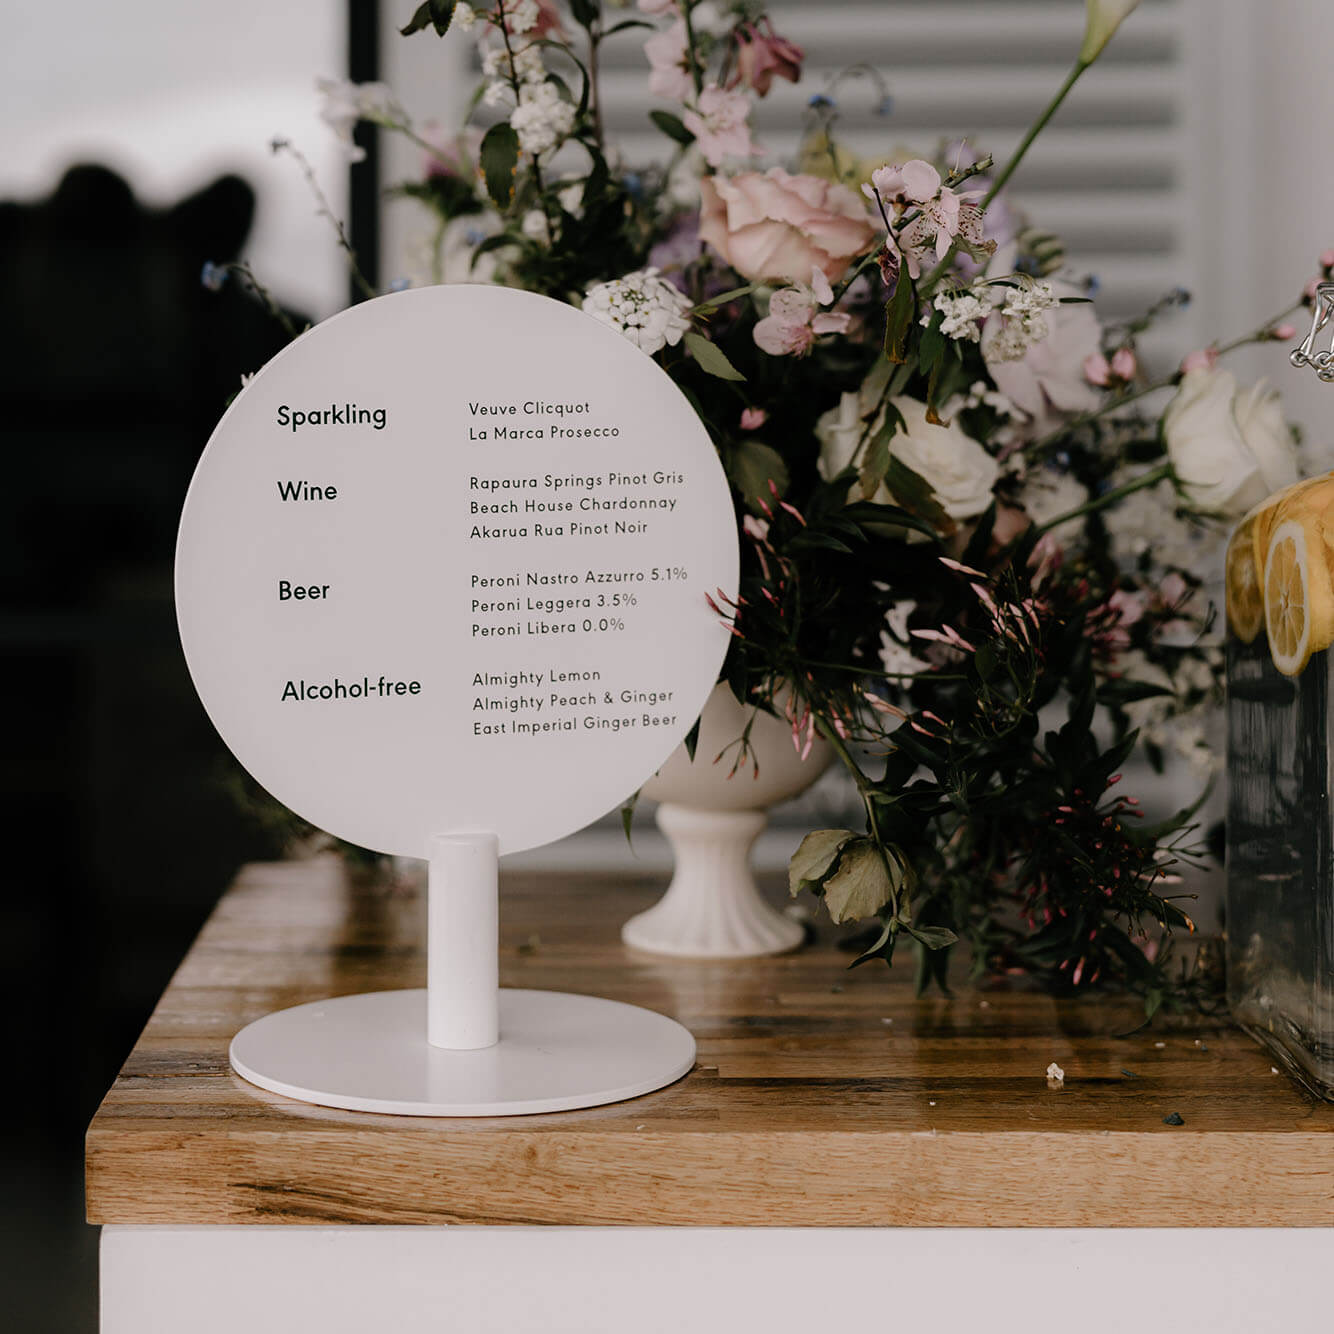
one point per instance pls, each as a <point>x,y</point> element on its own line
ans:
<point>820,1096</point>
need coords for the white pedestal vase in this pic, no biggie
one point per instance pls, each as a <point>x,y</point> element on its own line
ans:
<point>712,908</point>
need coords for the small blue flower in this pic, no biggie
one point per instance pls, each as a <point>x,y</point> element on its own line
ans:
<point>634,184</point>
<point>821,102</point>
<point>400,284</point>
<point>213,276</point>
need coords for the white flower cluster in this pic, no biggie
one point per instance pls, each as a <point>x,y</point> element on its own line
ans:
<point>526,68</point>
<point>1047,494</point>
<point>647,309</point>
<point>895,657</point>
<point>542,119</point>
<point>465,17</point>
<point>1023,320</point>
<point>345,103</point>
<point>1147,521</point>
<point>522,15</point>
<point>962,312</point>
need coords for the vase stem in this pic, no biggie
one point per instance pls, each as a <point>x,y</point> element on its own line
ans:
<point>712,908</point>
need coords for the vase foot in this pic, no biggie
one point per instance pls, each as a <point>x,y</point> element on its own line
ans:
<point>712,909</point>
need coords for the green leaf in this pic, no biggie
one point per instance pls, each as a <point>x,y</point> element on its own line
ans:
<point>627,23</point>
<point>711,358</point>
<point>899,314</point>
<point>861,886</point>
<point>435,14</point>
<point>585,12</point>
<point>692,740</point>
<point>500,157</point>
<point>724,297</point>
<point>881,948</point>
<point>672,126</point>
<point>914,493</point>
<point>933,937</point>
<point>812,860</point>
<point>875,466</point>
<point>751,466</point>
<point>628,815</point>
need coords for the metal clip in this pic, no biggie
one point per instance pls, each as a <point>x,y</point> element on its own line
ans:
<point>1322,309</point>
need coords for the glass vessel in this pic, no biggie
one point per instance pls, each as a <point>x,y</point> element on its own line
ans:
<point>1280,854</point>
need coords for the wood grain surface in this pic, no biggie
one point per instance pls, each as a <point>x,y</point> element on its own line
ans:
<point>820,1096</point>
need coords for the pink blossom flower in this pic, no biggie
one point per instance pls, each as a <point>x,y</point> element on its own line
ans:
<point>753,418</point>
<point>720,122</point>
<point>1202,359</point>
<point>792,324</point>
<point>1097,369</point>
<point>915,182</point>
<point>1282,332</point>
<point>1119,371</point>
<point>755,527</point>
<point>762,54</point>
<point>667,54</point>
<point>774,226</point>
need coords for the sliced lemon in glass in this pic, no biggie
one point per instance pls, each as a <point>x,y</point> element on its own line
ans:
<point>1298,600</point>
<point>1245,598</point>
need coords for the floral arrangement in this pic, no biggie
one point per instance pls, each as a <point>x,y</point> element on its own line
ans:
<point>972,560</point>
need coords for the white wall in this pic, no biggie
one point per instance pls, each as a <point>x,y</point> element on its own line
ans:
<point>171,94</point>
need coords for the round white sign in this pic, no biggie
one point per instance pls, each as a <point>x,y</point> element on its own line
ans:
<point>443,567</point>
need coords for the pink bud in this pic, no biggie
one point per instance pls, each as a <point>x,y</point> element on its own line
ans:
<point>1096,369</point>
<point>753,418</point>
<point>1202,359</point>
<point>1327,259</point>
<point>1282,332</point>
<point>1123,363</point>
<point>1308,292</point>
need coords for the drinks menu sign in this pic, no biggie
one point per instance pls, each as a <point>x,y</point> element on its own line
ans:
<point>443,566</point>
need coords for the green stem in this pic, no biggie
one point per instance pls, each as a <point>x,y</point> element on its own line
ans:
<point>1034,130</point>
<point>696,73</point>
<point>1150,478</point>
<point>927,285</point>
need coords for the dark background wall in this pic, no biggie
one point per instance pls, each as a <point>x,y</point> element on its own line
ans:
<point>121,830</point>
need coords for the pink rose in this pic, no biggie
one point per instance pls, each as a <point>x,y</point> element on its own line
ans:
<point>773,226</point>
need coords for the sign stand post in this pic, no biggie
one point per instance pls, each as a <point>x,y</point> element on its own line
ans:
<point>464,1046</point>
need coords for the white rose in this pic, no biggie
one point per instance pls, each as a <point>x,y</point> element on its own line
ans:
<point>1221,467</point>
<point>839,432</point>
<point>1259,414</point>
<point>958,469</point>
<point>953,464</point>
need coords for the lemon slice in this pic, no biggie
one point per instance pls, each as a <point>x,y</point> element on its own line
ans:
<point>1298,602</point>
<point>1245,598</point>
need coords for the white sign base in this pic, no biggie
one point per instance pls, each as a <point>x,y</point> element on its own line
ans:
<point>369,1053</point>
<point>463,1046</point>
